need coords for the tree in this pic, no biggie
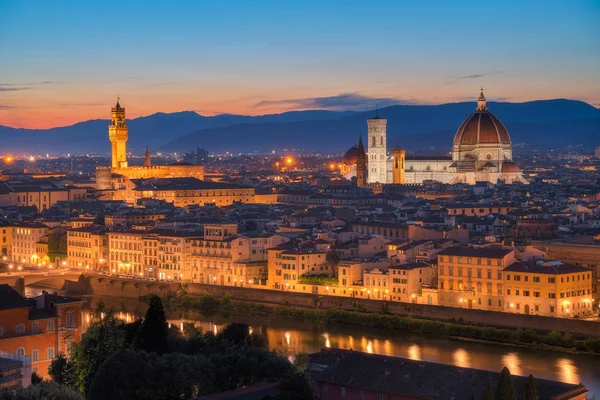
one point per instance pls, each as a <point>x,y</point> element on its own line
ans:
<point>35,378</point>
<point>104,337</point>
<point>59,370</point>
<point>301,361</point>
<point>489,392</point>
<point>47,390</point>
<point>147,376</point>
<point>506,387</point>
<point>332,258</point>
<point>235,333</point>
<point>153,334</point>
<point>530,390</point>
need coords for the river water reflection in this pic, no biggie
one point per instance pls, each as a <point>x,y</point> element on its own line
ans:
<point>293,337</point>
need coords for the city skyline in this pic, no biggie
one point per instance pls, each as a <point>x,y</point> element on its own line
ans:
<point>261,58</point>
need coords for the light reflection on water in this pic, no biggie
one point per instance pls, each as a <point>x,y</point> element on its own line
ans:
<point>513,363</point>
<point>567,371</point>
<point>293,337</point>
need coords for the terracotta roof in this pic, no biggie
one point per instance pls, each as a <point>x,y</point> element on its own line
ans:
<point>481,127</point>
<point>487,252</point>
<point>417,379</point>
<point>11,299</point>
<point>551,268</point>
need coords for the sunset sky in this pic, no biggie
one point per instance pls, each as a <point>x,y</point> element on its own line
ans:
<point>62,62</point>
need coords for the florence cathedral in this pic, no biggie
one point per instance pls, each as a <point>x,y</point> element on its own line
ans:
<point>481,151</point>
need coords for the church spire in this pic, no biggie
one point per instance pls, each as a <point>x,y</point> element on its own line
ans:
<point>481,102</point>
<point>147,158</point>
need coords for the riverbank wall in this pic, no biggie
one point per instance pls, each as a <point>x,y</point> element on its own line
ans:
<point>114,287</point>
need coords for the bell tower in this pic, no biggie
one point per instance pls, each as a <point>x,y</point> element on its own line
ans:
<point>377,149</point>
<point>118,134</point>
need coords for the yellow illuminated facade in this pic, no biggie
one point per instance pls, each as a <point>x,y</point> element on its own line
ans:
<point>118,133</point>
<point>24,241</point>
<point>472,278</point>
<point>87,248</point>
<point>552,289</point>
<point>6,234</point>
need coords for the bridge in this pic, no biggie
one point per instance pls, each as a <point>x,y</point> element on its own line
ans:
<point>55,280</point>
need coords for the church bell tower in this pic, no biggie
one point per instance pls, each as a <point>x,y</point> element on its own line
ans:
<point>118,134</point>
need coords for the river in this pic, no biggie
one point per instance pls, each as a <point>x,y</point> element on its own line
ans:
<point>293,337</point>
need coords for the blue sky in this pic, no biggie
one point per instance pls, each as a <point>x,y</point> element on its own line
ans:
<point>66,61</point>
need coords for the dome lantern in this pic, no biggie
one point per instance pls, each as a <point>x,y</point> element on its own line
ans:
<point>481,102</point>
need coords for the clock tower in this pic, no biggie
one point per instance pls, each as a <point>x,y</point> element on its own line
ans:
<point>118,134</point>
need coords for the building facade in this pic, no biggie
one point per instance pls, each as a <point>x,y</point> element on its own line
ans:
<point>25,239</point>
<point>473,277</point>
<point>549,288</point>
<point>41,328</point>
<point>87,247</point>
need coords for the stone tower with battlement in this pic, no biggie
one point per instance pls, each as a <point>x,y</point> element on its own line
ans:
<point>377,150</point>
<point>118,133</point>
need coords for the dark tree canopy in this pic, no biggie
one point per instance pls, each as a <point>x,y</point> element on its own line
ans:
<point>506,387</point>
<point>153,335</point>
<point>530,390</point>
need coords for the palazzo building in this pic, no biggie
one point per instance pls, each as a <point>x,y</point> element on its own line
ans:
<point>114,176</point>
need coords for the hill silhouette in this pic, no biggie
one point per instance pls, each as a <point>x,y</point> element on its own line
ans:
<point>547,123</point>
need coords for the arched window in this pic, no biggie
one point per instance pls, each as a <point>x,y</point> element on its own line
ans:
<point>20,328</point>
<point>479,287</point>
<point>20,351</point>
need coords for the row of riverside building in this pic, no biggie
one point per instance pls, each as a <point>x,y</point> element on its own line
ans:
<point>353,263</point>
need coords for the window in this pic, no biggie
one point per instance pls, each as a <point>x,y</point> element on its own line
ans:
<point>50,353</point>
<point>20,351</point>
<point>68,347</point>
<point>35,355</point>
<point>536,279</point>
<point>551,280</point>
<point>35,327</point>
<point>70,319</point>
<point>20,328</point>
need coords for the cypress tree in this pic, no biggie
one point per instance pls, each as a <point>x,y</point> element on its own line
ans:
<point>530,390</point>
<point>489,392</point>
<point>154,330</point>
<point>506,387</point>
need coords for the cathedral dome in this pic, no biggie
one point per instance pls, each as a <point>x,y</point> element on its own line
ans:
<point>481,127</point>
<point>510,167</point>
<point>350,156</point>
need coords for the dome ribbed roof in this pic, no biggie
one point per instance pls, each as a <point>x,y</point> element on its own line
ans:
<point>350,156</point>
<point>481,127</point>
<point>509,167</point>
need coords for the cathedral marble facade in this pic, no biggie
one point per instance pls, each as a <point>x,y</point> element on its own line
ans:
<point>481,151</point>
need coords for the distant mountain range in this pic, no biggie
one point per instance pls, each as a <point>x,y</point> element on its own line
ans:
<point>539,124</point>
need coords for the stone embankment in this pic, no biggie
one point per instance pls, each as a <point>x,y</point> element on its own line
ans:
<point>116,287</point>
